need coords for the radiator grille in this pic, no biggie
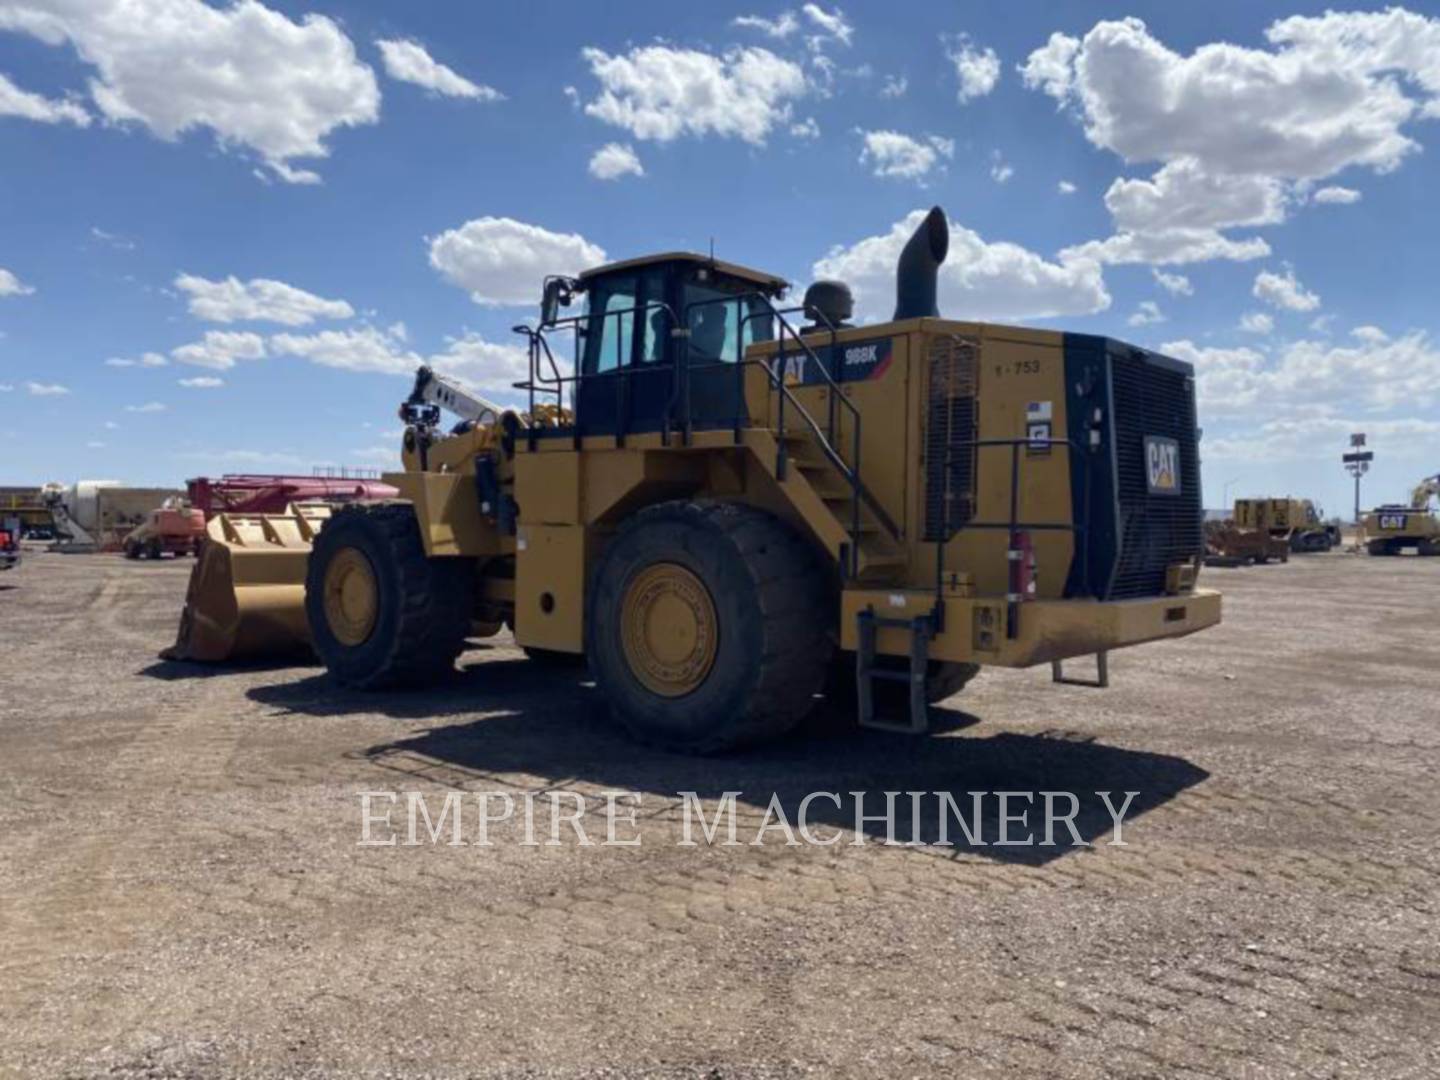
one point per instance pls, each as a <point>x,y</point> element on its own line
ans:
<point>950,421</point>
<point>1155,530</point>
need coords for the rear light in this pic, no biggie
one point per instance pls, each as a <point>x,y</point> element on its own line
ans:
<point>1024,574</point>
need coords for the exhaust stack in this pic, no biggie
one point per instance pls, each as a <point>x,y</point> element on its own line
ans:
<point>919,267</point>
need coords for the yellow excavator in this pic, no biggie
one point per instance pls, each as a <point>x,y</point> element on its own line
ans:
<point>729,515</point>
<point>1392,528</point>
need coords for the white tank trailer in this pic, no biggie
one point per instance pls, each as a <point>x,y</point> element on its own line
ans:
<point>96,514</point>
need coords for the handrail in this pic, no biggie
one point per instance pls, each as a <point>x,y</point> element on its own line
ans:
<point>1014,525</point>
<point>849,470</point>
<point>579,325</point>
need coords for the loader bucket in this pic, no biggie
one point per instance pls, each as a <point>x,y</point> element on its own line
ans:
<point>246,597</point>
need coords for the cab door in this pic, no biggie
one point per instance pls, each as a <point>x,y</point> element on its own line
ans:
<point>627,369</point>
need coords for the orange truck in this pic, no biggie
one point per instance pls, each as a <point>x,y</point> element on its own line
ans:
<point>171,530</point>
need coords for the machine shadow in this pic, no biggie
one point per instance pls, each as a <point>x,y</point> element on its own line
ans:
<point>175,670</point>
<point>548,723</point>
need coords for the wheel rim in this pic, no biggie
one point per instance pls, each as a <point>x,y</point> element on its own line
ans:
<point>351,597</point>
<point>669,631</point>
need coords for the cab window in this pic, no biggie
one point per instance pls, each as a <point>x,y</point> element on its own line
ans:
<point>610,324</point>
<point>714,317</point>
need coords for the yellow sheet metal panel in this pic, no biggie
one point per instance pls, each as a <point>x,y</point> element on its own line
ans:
<point>447,507</point>
<point>1021,394</point>
<point>1047,629</point>
<point>549,488</point>
<point>550,587</point>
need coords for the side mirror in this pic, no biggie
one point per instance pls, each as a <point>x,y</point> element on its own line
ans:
<point>558,293</point>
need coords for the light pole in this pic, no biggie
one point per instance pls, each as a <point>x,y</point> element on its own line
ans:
<point>1357,464</point>
<point>1225,494</point>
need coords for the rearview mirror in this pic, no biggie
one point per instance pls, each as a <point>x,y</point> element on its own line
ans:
<point>558,293</point>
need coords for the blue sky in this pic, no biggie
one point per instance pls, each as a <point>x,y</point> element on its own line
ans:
<point>300,201</point>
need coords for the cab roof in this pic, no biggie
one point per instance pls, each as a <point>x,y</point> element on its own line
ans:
<point>767,282</point>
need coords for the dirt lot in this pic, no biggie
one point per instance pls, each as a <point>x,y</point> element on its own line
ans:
<point>182,891</point>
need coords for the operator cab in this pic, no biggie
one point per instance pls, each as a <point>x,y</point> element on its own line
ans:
<point>660,338</point>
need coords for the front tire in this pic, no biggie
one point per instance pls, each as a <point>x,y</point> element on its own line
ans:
<point>708,626</point>
<point>381,613</point>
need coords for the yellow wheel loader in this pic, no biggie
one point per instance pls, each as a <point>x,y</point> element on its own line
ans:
<point>1392,528</point>
<point>728,514</point>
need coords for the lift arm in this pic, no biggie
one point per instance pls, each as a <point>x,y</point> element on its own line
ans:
<point>437,391</point>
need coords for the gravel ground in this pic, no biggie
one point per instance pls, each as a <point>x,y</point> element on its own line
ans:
<point>183,892</point>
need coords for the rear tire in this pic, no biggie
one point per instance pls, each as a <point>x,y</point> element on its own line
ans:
<point>708,626</point>
<point>399,618</point>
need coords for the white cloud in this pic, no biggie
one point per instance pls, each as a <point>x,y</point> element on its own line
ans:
<point>1050,68</point>
<point>831,24</point>
<point>1323,97</point>
<point>28,106</point>
<point>149,359</point>
<point>362,349</point>
<point>1283,291</point>
<point>120,243</point>
<point>202,382</point>
<point>1148,313</point>
<point>37,389</point>
<point>111,425</point>
<point>1257,322</point>
<point>251,75</point>
<point>661,93</point>
<point>1240,132</point>
<point>980,279</point>
<point>806,129</point>
<point>614,160</point>
<point>1170,247</point>
<point>407,61</point>
<point>258,300</point>
<point>488,367</point>
<point>10,285</point>
<point>1308,436</point>
<point>977,70</point>
<point>148,407</point>
<point>1182,195</point>
<point>1065,187</point>
<point>502,262</point>
<point>1174,284</point>
<point>221,349</point>
<point>899,156</point>
<point>6,388</point>
<point>894,86</point>
<point>782,26</point>
<point>1371,375</point>
<point>1371,335</point>
<point>1000,169</point>
<point>1336,195</point>
<point>95,444</point>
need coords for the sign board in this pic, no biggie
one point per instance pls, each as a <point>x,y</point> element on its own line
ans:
<point>1162,465</point>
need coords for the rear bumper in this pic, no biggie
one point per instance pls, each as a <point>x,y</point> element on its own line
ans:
<point>976,629</point>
